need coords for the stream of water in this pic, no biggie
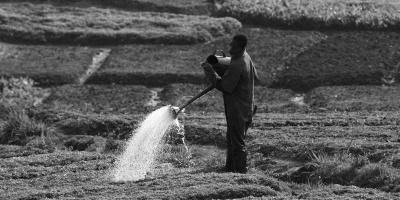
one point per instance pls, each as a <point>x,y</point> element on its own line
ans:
<point>144,145</point>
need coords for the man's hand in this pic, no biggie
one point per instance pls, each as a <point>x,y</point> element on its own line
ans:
<point>208,70</point>
<point>210,73</point>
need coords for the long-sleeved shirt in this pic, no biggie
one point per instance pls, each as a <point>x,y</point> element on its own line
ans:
<point>237,85</point>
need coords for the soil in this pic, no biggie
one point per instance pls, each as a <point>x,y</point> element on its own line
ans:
<point>345,58</point>
<point>325,95</point>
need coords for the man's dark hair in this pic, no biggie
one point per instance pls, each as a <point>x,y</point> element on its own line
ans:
<point>241,39</point>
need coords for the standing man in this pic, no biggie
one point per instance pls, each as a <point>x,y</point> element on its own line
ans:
<point>237,87</point>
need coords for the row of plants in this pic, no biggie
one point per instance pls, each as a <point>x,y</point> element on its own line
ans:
<point>171,6</point>
<point>315,14</point>
<point>68,25</point>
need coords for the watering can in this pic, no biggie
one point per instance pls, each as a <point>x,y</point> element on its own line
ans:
<point>220,64</point>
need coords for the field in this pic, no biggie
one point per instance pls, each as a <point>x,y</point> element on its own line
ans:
<point>327,126</point>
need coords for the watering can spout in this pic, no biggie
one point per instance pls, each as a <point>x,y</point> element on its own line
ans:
<point>176,110</point>
<point>220,65</point>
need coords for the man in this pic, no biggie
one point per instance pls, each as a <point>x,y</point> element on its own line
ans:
<point>237,87</point>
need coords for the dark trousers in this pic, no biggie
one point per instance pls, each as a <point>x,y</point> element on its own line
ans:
<point>236,157</point>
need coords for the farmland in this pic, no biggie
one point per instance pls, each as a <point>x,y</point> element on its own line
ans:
<point>327,125</point>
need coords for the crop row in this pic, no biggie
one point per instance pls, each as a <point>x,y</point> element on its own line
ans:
<point>315,14</point>
<point>68,25</point>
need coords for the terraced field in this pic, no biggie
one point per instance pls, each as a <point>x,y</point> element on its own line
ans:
<point>327,126</point>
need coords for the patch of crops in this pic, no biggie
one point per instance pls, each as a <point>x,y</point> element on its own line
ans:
<point>200,7</point>
<point>344,59</point>
<point>68,25</point>
<point>45,65</point>
<point>117,99</point>
<point>316,14</point>
<point>75,123</point>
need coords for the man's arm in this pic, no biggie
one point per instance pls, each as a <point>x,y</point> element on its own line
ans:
<point>231,77</point>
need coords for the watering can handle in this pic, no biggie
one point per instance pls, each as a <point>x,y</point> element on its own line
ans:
<point>215,52</point>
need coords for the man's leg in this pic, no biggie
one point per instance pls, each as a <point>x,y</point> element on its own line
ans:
<point>237,129</point>
<point>229,164</point>
<point>240,161</point>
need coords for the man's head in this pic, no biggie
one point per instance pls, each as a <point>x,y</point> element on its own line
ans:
<point>238,44</point>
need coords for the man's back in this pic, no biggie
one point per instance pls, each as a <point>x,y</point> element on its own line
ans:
<point>237,86</point>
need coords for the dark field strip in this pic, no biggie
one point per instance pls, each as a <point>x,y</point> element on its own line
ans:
<point>46,65</point>
<point>345,58</point>
<point>116,99</point>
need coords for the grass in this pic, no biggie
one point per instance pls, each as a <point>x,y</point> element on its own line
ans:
<point>276,135</point>
<point>62,64</point>
<point>100,99</point>
<point>345,169</point>
<point>19,129</point>
<point>203,7</point>
<point>316,14</point>
<point>21,92</point>
<point>43,24</point>
<point>344,58</point>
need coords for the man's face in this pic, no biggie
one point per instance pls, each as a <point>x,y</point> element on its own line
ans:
<point>235,48</point>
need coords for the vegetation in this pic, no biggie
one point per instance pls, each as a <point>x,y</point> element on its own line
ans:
<point>43,24</point>
<point>346,169</point>
<point>100,99</point>
<point>344,59</point>
<point>21,93</point>
<point>19,129</point>
<point>45,65</point>
<point>326,142</point>
<point>316,14</point>
<point>203,7</point>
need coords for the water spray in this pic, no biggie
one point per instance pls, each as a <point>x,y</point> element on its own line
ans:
<point>142,148</point>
